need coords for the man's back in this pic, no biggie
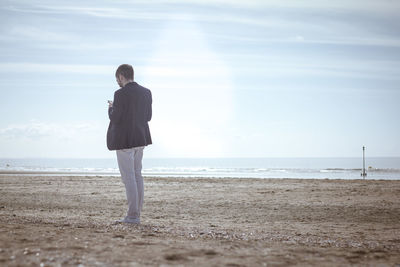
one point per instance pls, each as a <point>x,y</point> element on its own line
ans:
<point>129,117</point>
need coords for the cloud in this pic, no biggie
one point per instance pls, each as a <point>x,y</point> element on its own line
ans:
<point>159,10</point>
<point>348,40</point>
<point>86,46</point>
<point>58,68</point>
<point>349,23</point>
<point>342,40</point>
<point>171,73</point>
<point>35,33</point>
<point>46,139</point>
<point>366,5</point>
<point>48,39</point>
<point>35,130</point>
<point>100,12</point>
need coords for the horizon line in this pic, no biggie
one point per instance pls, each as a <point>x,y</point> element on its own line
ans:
<point>261,157</point>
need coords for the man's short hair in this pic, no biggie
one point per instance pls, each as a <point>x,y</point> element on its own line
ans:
<point>125,70</point>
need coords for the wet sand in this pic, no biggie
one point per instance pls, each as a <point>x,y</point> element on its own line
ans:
<point>62,220</point>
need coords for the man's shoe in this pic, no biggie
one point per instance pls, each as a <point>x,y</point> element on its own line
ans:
<point>126,220</point>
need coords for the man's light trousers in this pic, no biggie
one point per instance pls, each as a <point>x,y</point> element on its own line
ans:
<point>130,167</point>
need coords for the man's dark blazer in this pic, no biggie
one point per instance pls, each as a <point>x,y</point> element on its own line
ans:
<point>129,116</point>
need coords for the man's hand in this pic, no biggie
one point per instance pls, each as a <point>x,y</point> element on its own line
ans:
<point>110,103</point>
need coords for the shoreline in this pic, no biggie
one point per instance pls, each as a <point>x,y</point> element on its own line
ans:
<point>311,168</point>
<point>67,173</point>
<point>173,175</point>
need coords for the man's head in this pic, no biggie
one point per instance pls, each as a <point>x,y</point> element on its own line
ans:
<point>124,74</point>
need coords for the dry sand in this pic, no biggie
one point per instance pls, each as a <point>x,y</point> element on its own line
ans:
<point>61,221</point>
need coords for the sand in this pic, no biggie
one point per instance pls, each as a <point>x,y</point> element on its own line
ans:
<point>62,221</point>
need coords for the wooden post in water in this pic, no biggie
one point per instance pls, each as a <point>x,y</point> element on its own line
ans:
<point>364,173</point>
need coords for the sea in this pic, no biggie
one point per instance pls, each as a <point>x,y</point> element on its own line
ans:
<point>377,168</point>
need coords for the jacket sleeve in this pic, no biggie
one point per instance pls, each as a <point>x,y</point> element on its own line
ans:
<point>115,112</point>
<point>149,111</point>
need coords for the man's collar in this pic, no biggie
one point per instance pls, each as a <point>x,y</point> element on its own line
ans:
<point>129,83</point>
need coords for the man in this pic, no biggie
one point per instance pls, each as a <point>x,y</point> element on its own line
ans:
<point>128,134</point>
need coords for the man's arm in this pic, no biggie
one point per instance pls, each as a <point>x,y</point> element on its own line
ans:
<point>116,110</point>
<point>149,111</point>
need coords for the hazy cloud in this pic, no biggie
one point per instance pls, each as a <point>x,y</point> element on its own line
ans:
<point>35,130</point>
<point>59,68</point>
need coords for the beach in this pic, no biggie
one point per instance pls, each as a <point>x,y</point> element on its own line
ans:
<point>60,220</point>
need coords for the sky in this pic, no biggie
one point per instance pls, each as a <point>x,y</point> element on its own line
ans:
<point>228,78</point>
